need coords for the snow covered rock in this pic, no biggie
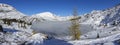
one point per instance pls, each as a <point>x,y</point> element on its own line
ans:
<point>36,39</point>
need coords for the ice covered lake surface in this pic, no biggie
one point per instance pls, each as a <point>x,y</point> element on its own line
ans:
<point>58,27</point>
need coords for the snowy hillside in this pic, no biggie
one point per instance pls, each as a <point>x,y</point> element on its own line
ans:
<point>7,11</point>
<point>107,16</point>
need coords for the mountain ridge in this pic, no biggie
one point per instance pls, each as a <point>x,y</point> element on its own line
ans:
<point>95,17</point>
<point>7,11</point>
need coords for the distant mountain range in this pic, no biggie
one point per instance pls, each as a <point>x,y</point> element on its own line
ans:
<point>107,16</point>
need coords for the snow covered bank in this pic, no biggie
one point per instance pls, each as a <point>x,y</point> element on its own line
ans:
<point>97,41</point>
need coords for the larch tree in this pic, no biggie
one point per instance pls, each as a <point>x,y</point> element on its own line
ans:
<point>75,26</point>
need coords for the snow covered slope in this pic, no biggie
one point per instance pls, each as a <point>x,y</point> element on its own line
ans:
<point>7,11</point>
<point>113,16</point>
<point>107,16</point>
<point>50,16</point>
<point>45,15</point>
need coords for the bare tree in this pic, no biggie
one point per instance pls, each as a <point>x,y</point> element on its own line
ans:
<point>75,26</point>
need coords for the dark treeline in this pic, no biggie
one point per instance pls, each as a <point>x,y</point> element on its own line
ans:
<point>21,23</point>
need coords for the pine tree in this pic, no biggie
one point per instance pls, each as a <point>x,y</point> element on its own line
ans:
<point>74,28</point>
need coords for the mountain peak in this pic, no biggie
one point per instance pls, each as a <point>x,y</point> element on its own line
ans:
<point>45,15</point>
<point>6,7</point>
<point>7,11</point>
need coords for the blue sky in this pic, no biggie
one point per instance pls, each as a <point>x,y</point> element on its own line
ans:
<point>60,7</point>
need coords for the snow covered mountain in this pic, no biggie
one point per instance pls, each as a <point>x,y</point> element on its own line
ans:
<point>95,17</point>
<point>113,16</point>
<point>46,16</point>
<point>7,11</point>
<point>107,16</point>
<point>50,16</point>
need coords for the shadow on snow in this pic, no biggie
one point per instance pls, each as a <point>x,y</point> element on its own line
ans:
<point>56,42</point>
<point>10,30</point>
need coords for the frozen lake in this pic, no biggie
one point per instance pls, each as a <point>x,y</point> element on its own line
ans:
<point>58,27</point>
